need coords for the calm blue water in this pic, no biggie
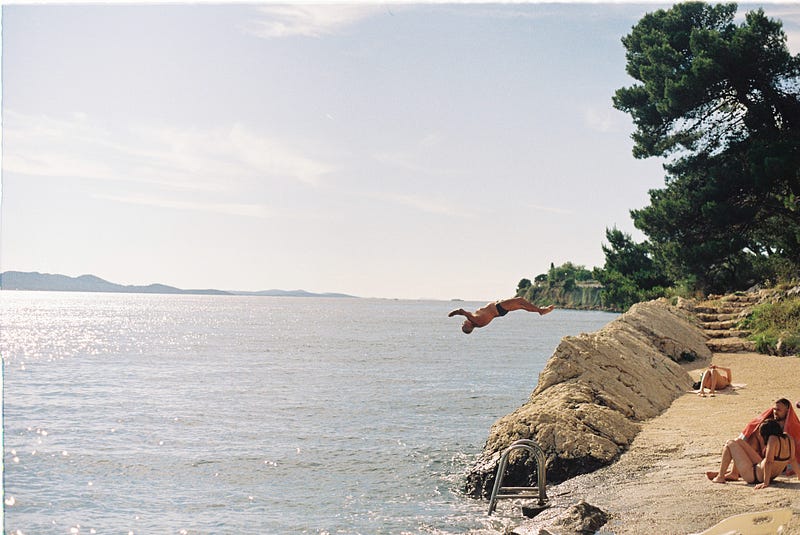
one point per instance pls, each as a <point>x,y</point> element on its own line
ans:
<point>207,414</point>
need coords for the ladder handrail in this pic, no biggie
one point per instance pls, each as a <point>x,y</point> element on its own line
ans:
<point>531,447</point>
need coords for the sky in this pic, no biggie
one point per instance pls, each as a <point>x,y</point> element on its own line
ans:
<point>426,151</point>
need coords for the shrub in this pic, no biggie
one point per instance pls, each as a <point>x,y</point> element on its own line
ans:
<point>774,322</point>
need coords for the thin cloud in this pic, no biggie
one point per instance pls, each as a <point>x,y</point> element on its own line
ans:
<point>420,204</point>
<point>41,145</point>
<point>604,120</point>
<point>425,205</point>
<point>550,209</point>
<point>790,17</point>
<point>174,158</point>
<point>793,42</point>
<point>410,163</point>
<point>416,158</point>
<point>307,20</point>
<point>244,210</point>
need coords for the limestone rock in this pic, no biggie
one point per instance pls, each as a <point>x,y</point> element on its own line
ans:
<point>592,394</point>
<point>580,518</point>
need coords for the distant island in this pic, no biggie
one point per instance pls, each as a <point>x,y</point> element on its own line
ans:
<point>46,282</point>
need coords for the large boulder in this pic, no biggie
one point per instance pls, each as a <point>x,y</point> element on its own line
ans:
<point>577,519</point>
<point>592,395</point>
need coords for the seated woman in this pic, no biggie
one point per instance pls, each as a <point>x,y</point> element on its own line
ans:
<point>713,380</point>
<point>751,466</point>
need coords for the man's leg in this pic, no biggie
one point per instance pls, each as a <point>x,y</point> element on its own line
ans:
<point>520,303</point>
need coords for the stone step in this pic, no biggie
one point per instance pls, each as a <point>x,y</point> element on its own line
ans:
<point>709,309</point>
<point>731,333</point>
<point>719,325</point>
<point>730,345</point>
<point>747,299</point>
<point>717,317</point>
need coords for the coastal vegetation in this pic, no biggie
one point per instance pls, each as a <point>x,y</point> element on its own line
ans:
<point>567,286</point>
<point>719,102</point>
<point>775,327</point>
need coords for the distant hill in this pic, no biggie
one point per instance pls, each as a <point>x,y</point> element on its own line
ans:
<point>18,280</point>
<point>290,293</point>
<point>46,282</point>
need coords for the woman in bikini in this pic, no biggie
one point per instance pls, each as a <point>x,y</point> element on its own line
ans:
<point>751,466</point>
<point>713,380</point>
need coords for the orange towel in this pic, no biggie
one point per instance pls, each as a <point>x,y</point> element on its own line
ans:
<point>791,427</point>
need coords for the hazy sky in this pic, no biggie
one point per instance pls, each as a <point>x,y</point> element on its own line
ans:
<point>381,150</point>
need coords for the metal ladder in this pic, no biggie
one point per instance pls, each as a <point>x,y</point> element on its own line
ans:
<point>500,492</point>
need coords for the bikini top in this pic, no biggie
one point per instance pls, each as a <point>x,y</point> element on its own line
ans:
<point>780,450</point>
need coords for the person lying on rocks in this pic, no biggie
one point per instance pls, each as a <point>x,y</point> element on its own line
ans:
<point>781,412</point>
<point>484,315</point>
<point>713,380</point>
<point>753,468</point>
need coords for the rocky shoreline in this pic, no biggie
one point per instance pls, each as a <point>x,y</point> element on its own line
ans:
<point>593,393</point>
<point>596,405</point>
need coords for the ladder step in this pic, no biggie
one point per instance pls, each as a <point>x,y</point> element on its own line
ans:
<point>520,492</point>
<point>528,496</point>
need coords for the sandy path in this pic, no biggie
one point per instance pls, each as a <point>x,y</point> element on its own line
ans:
<point>659,485</point>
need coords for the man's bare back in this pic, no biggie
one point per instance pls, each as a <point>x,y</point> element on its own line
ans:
<point>484,315</point>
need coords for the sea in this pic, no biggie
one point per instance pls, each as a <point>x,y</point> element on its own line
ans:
<point>197,414</point>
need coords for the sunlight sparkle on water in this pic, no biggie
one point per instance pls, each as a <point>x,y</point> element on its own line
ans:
<point>128,379</point>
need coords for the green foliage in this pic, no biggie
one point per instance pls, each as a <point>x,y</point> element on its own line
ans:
<point>772,322</point>
<point>705,82</point>
<point>568,270</point>
<point>568,285</point>
<point>764,343</point>
<point>630,274</point>
<point>580,297</point>
<point>721,102</point>
<point>523,285</point>
<point>619,291</point>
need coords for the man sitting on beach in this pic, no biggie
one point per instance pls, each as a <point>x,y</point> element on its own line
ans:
<point>484,315</point>
<point>755,467</point>
<point>782,412</point>
<point>713,380</point>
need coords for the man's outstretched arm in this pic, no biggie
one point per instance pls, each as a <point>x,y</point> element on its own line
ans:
<point>462,312</point>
